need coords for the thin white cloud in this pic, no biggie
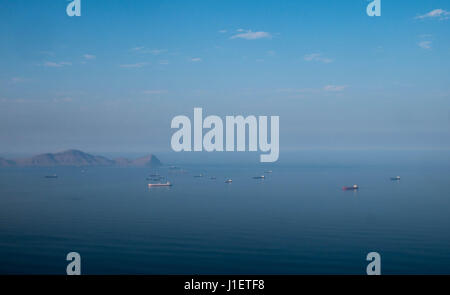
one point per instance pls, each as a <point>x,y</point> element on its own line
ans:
<point>34,101</point>
<point>153,92</point>
<point>425,44</point>
<point>46,52</point>
<point>195,59</point>
<point>326,88</point>
<point>143,49</point>
<point>89,56</point>
<point>250,35</point>
<point>16,100</point>
<point>435,14</point>
<point>135,65</point>
<point>139,48</point>
<point>6,100</point>
<point>222,31</point>
<point>17,80</point>
<point>62,100</point>
<point>51,64</point>
<point>334,88</point>
<point>157,51</point>
<point>164,62</point>
<point>317,57</point>
<point>294,90</point>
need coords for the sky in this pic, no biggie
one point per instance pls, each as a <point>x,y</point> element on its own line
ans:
<point>112,79</point>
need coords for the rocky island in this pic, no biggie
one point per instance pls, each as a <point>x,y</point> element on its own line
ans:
<point>78,158</point>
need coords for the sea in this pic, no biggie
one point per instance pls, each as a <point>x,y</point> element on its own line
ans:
<point>297,220</point>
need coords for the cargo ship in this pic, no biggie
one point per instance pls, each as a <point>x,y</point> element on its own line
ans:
<point>395,178</point>
<point>159,184</point>
<point>351,188</point>
<point>51,176</point>
<point>259,177</point>
<point>228,181</point>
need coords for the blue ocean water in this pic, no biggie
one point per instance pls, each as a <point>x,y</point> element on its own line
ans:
<point>296,221</point>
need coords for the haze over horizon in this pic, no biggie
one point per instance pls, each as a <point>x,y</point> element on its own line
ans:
<point>113,79</point>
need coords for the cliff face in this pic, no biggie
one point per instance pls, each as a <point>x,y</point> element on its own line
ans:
<point>149,161</point>
<point>78,158</point>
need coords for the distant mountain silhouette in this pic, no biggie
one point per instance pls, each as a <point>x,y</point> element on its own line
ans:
<point>148,161</point>
<point>6,163</point>
<point>78,158</point>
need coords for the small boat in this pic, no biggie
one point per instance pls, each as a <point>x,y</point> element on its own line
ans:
<point>159,184</point>
<point>197,176</point>
<point>228,181</point>
<point>351,188</point>
<point>259,177</point>
<point>51,176</point>
<point>395,178</point>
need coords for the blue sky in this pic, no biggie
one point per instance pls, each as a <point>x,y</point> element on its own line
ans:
<point>112,79</point>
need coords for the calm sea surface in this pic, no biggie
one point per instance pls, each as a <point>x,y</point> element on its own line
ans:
<point>297,220</point>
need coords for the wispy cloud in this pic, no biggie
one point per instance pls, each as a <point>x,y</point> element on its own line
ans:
<point>143,49</point>
<point>425,44</point>
<point>195,59</point>
<point>15,100</point>
<point>47,52</point>
<point>425,36</point>
<point>326,88</point>
<point>154,92</point>
<point>334,88</point>
<point>317,57</point>
<point>17,80</point>
<point>135,65</point>
<point>435,14</point>
<point>164,62</point>
<point>63,100</point>
<point>34,101</point>
<point>89,56</point>
<point>51,64</point>
<point>250,35</point>
<point>157,51</point>
<point>139,48</point>
<point>222,31</point>
<point>297,90</point>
